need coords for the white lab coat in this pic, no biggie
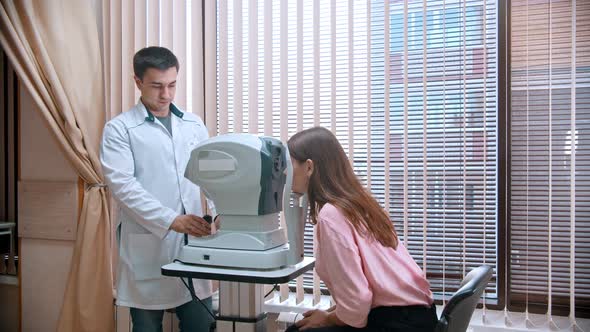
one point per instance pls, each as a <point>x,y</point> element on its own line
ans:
<point>144,169</point>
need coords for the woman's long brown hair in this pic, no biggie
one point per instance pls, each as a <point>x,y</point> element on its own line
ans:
<point>333,181</point>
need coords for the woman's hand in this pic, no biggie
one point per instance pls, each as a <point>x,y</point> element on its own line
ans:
<point>314,319</point>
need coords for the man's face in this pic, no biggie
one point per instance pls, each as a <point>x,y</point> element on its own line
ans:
<point>158,88</point>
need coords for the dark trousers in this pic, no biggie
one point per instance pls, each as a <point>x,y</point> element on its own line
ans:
<point>393,319</point>
<point>192,316</point>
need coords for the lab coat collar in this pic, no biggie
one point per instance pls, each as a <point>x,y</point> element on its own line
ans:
<point>150,117</point>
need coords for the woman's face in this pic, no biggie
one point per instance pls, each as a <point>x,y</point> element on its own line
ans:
<point>302,171</point>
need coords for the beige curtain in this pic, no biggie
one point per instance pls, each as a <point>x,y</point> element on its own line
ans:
<point>54,47</point>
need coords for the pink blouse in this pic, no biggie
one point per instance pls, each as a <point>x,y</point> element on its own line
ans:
<point>362,274</point>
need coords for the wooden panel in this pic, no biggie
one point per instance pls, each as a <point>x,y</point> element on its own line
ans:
<point>44,267</point>
<point>40,155</point>
<point>48,210</point>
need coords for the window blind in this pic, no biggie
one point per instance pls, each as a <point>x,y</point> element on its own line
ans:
<point>409,89</point>
<point>129,26</point>
<point>437,105</point>
<point>550,158</point>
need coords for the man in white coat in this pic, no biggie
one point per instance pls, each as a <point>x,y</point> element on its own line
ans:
<point>144,153</point>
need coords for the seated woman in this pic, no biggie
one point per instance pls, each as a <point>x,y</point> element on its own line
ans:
<point>372,278</point>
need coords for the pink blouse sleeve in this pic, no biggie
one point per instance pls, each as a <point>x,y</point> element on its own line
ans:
<point>345,277</point>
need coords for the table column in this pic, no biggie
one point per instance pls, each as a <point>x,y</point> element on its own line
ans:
<point>240,307</point>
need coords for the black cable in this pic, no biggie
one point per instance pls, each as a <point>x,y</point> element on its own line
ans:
<point>270,291</point>
<point>191,290</point>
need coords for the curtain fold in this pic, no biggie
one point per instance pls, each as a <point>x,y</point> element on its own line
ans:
<point>54,48</point>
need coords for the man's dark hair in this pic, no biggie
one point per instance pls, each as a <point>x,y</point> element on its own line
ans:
<point>153,57</point>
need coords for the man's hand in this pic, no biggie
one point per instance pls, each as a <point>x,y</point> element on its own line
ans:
<point>191,225</point>
<point>314,319</point>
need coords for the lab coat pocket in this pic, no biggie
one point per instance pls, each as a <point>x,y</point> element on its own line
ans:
<point>145,253</point>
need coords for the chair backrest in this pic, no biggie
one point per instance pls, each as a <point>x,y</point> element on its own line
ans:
<point>458,311</point>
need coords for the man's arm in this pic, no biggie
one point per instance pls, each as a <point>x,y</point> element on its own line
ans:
<point>118,168</point>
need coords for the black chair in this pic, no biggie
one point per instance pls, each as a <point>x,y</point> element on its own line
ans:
<point>458,311</point>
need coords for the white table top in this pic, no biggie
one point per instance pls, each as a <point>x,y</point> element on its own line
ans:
<point>278,276</point>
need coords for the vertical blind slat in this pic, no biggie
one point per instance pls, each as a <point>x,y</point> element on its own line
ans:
<point>333,65</point>
<point>140,34</point>
<point>550,210</point>
<point>197,58</point>
<point>464,138</point>
<point>166,19</point>
<point>153,23</point>
<point>444,152</point>
<point>572,271</point>
<point>299,65</point>
<point>368,96</point>
<point>238,93</point>
<point>268,68</point>
<point>485,143</point>
<point>424,139</point>
<point>206,29</point>
<point>179,47</point>
<point>253,67</point>
<point>350,119</point>
<point>549,84</point>
<point>223,67</point>
<point>284,130</point>
<point>127,39</point>
<point>405,119</point>
<point>283,71</point>
<point>316,62</point>
<point>386,107</point>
